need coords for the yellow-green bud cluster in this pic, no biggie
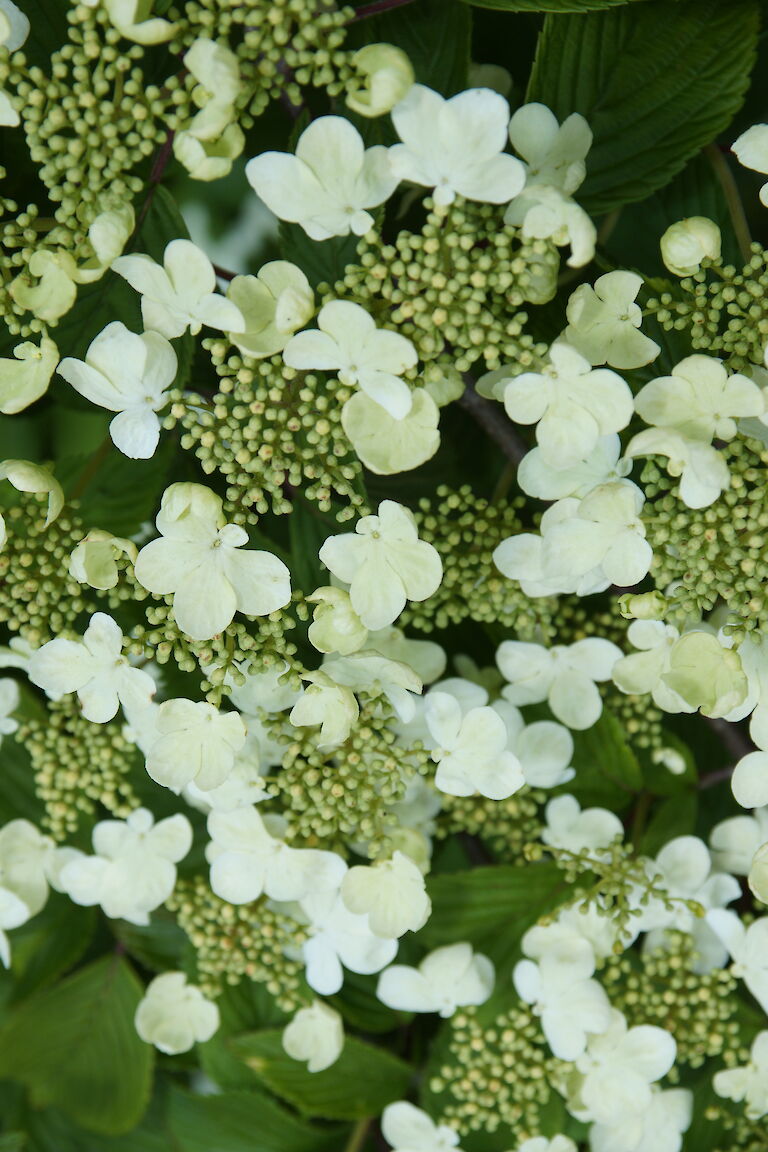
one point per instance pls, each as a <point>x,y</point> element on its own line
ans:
<point>506,826</point>
<point>239,942</point>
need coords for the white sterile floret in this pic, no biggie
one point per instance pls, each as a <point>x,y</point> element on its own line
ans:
<point>701,468</point>
<point>376,675</point>
<point>28,477</point>
<point>751,150</point>
<point>25,377</point>
<point>362,355</point>
<point>706,674</point>
<point>94,560</point>
<point>425,657</point>
<point>210,141</point>
<point>471,750</point>
<point>132,20</point>
<point>603,541</point>
<point>331,182</point>
<point>564,675</point>
<point>195,742</point>
<point>700,400</point>
<point>179,295</point>
<point>558,983</point>
<point>604,322</point>
<point>543,212</point>
<point>448,978</point>
<point>28,864</point>
<point>247,860</point>
<point>571,403</point>
<point>659,1128</point>
<point>687,243</point>
<point>544,748</point>
<point>734,842</point>
<point>9,702</point>
<point>574,830</point>
<point>386,445</point>
<point>408,1129</point>
<point>328,704</point>
<point>753,654</point>
<point>384,563</point>
<point>174,1015</point>
<point>391,893</point>
<point>617,1070</point>
<point>94,668</point>
<point>757,877</point>
<point>748,1083</point>
<point>14,26</point>
<point>537,477</point>
<point>384,74</point>
<point>315,1036</point>
<point>748,949</point>
<point>456,146</point>
<point>201,560</point>
<point>133,869</point>
<point>274,304</point>
<point>13,913</point>
<point>554,153</point>
<point>335,627</point>
<point>643,671</point>
<point>339,939</point>
<point>130,375</point>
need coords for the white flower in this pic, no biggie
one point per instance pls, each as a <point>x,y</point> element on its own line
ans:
<point>456,146</point>
<point>269,691</point>
<point>386,445</point>
<point>13,913</point>
<point>9,702</point>
<point>544,748</point>
<point>471,750</point>
<point>575,830</point>
<point>687,243</point>
<point>702,470</point>
<point>564,675</point>
<point>751,150</point>
<point>362,355</point>
<point>448,978</point>
<point>315,1035</point>
<point>130,375</point>
<point>642,671</point>
<point>329,184</point>
<point>181,295</point>
<point>377,675</point>
<point>246,861</point>
<point>130,18</point>
<point>657,1129</point>
<point>748,949</point>
<point>328,704</point>
<point>26,377</point>
<point>408,1129</point>
<point>425,657</point>
<point>199,559</point>
<point>545,213</point>
<point>274,304</point>
<point>753,653</point>
<point>133,870</point>
<point>94,560</point>
<point>28,477</point>
<point>570,1004</point>
<point>748,1083</point>
<point>14,26</point>
<point>706,674</point>
<point>571,403</point>
<point>27,864</point>
<point>391,893</point>
<point>386,74</point>
<point>95,669</point>
<point>700,400</point>
<point>539,478</point>
<point>195,742</point>
<point>174,1015</point>
<point>604,322</point>
<point>335,626</point>
<point>339,937</point>
<point>384,563</point>
<point>554,153</point>
<point>758,874</point>
<point>733,842</point>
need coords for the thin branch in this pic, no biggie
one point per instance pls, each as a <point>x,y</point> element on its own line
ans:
<point>494,421</point>
<point>359,1134</point>
<point>722,170</point>
<point>378,6</point>
<point>735,742</point>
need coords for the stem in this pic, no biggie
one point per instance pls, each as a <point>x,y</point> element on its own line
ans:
<point>722,171</point>
<point>494,422</point>
<point>640,819</point>
<point>359,1133</point>
<point>224,273</point>
<point>734,741</point>
<point>378,6</point>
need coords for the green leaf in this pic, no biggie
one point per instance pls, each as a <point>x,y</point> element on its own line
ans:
<point>49,944</point>
<point>242,1122</point>
<point>158,945</point>
<point>323,261</point>
<point>607,770</point>
<point>358,1004</point>
<point>17,784</point>
<point>75,1047</point>
<point>361,1083</point>
<point>491,907</point>
<point>435,35</point>
<point>674,816</point>
<point>549,5</point>
<point>50,1131</point>
<point>655,82</point>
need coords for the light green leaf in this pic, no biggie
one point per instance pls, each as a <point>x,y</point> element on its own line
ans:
<point>655,81</point>
<point>49,944</point>
<point>75,1047</point>
<point>361,1083</point>
<point>242,1122</point>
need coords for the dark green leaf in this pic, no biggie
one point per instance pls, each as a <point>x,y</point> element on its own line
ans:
<point>49,944</point>
<point>358,1004</point>
<point>607,770</point>
<point>674,816</point>
<point>51,1131</point>
<point>158,945</point>
<point>76,1048</point>
<point>323,261</point>
<point>549,5</point>
<point>17,784</point>
<point>655,81</point>
<point>361,1083</point>
<point>242,1122</point>
<point>435,35</point>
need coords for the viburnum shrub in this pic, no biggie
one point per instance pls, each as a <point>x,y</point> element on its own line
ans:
<point>383,576</point>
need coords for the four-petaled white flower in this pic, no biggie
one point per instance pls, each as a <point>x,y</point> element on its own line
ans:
<point>362,355</point>
<point>700,400</point>
<point>95,669</point>
<point>471,751</point>
<point>201,560</point>
<point>539,478</point>
<point>247,860</point>
<point>331,182</point>
<point>604,322</point>
<point>748,949</point>
<point>179,295</point>
<point>274,304</point>
<point>702,470</point>
<point>387,445</point>
<point>384,563</point>
<point>456,146</point>
<point>565,676</point>
<point>543,212</point>
<point>133,870</point>
<point>195,742</point>
<point>376,675</point>
<point>554,153</point>
<point>339,939</point>
<point>328,704</point>
<point>391,893</point>
<point>28,864</point>
<point>659,1128</point>
<point>748,1083</point>
<point>571,403</point>
<point>448,978</point>
<point>315,1035</point>
<point>543,748</point>
<point>130,375</point>
<point>568,827</point>
<point>174,1015</point>
<point>751,150</point>
<point>734,842</point>
<point>408,1129</point>
<point>13,913</point>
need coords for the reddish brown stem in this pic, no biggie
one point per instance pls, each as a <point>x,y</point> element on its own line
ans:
<point>378,6</point>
